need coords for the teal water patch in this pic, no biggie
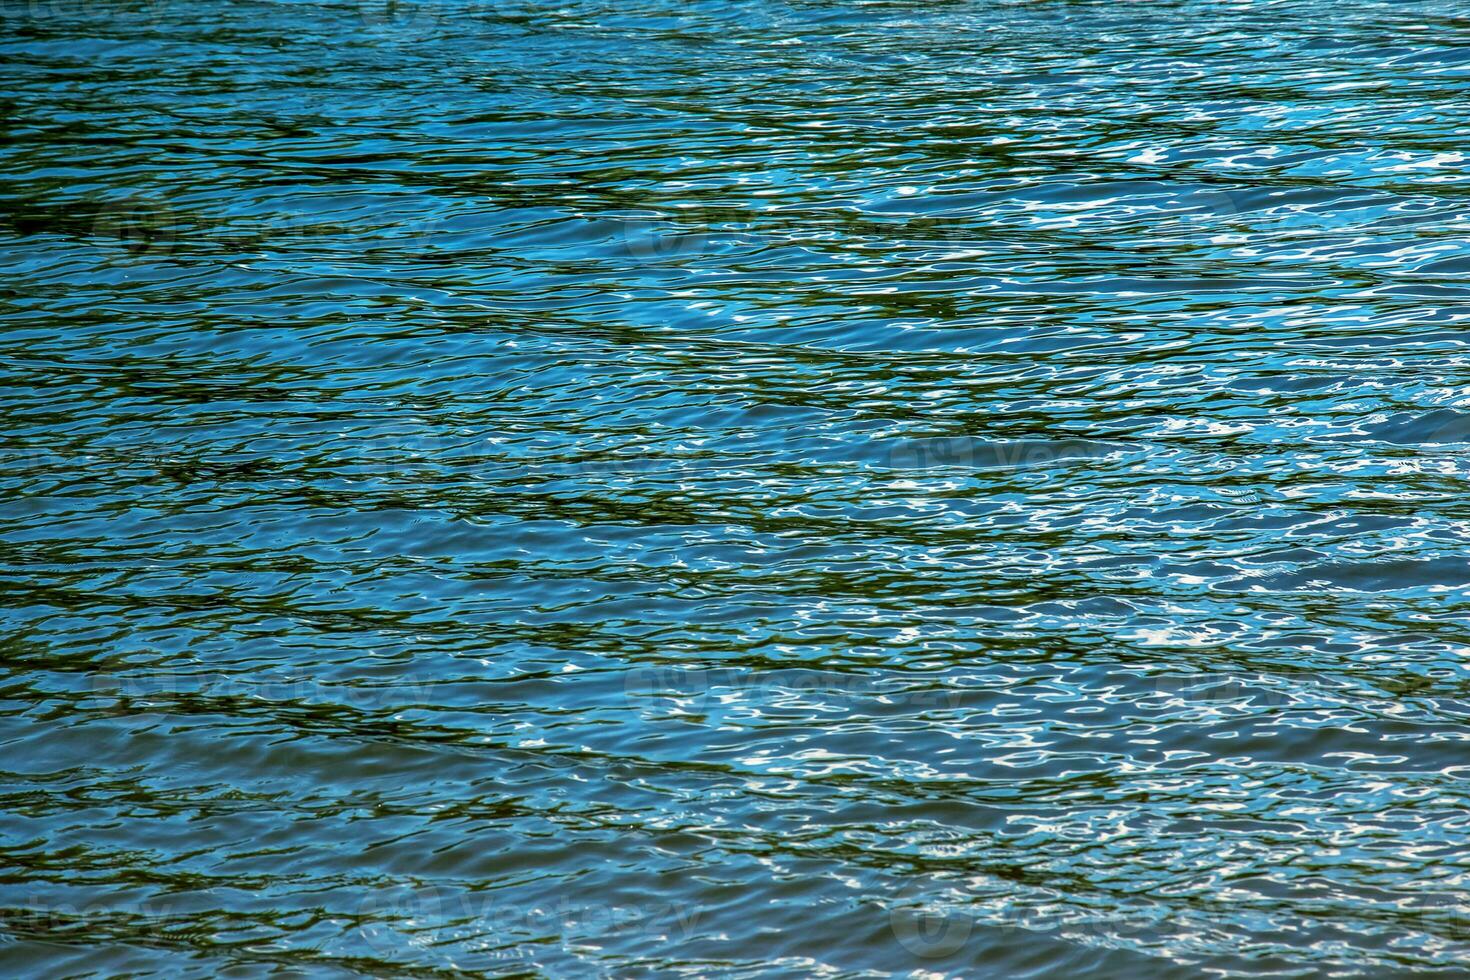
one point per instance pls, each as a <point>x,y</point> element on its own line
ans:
<point>812,488</point>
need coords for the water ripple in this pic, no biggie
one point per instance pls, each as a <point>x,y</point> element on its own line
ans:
<point>728,489</point>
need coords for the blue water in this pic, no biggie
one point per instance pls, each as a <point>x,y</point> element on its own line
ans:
<point>644,488</point>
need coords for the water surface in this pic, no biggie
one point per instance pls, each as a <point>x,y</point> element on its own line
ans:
<point>652,488</point>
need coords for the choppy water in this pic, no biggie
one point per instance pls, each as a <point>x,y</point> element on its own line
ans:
<point>636,488</point>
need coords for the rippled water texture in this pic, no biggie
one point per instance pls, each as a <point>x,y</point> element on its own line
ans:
<point>678,487</point>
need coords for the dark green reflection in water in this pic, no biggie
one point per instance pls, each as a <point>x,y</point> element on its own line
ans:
<point>647,488</point>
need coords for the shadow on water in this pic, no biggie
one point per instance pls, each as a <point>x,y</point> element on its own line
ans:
<point>521,488</point>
